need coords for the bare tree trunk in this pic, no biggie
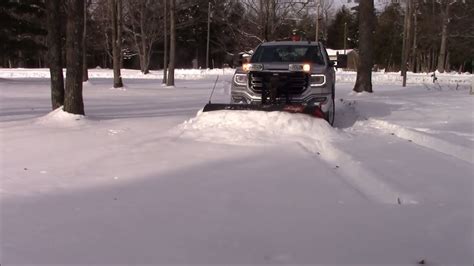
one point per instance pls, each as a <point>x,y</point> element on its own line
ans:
<point>325,25</point>
<point>73,102</point>
<point>461,67</point>
<point>208,33</point>
<point>85,73</point>
<point>432,59</point>
<point>116,17</point>
<point>273,18</point>
<point>366,46</point>
<point>119,38</point>
<point>317,24</point>
<point>21,60</point>
<point>447,64</point>
<point>165,56</point>
<point>406,40</point>
<point>471,91</point>
<point>170,81</point>
<point>145,52</point>
<point>428,60</point>
<point>54,52</point>
<point>413,49</point>
<point>444,36</point>
<point>435,62</point>
<point>263,23</point>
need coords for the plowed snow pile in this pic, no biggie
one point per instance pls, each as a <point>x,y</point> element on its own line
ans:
<point>255,127</point>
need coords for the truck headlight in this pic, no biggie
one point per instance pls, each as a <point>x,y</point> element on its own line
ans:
<point>252,67</point>
<point>299,67</point>
<point>317,80</point>
<point>241,79</point>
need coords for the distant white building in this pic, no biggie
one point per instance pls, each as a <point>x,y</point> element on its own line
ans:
<point>379,4</point>
<point>352,57</point>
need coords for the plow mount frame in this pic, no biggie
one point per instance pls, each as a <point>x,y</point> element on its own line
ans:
<point>312,110</point>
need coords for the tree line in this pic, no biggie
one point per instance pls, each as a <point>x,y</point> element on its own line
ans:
<point>438,34</point>
<point>420,35</point>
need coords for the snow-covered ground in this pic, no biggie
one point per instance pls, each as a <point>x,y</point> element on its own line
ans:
<point>145,178</point>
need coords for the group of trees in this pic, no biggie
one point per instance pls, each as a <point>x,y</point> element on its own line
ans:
<point>71,48</point>
<point>22,33</point>
<point>417,35</point>
<point>439,36</point>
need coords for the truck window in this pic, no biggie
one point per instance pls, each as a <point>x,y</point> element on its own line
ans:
<point>288,54</point>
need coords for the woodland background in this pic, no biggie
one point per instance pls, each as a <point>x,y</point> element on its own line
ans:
<point>238,26</point>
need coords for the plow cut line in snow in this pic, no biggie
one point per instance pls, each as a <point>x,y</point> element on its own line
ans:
<point>356,175</point>
<point>421,139</point>
<point>315,136</point>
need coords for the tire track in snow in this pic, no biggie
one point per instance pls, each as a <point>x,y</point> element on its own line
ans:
<point>355,174</point>
<point>419,138</point>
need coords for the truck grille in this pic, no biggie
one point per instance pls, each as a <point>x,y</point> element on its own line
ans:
<point>293,83</point>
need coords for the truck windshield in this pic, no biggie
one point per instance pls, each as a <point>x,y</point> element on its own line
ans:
<point>288,53</point>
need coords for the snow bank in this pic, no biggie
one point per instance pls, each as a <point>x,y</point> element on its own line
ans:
<point>412,78</point>
<point>254,127</point>
<point>61,118</point>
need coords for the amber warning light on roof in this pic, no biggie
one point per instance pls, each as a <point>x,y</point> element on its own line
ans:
<point>295,37</point>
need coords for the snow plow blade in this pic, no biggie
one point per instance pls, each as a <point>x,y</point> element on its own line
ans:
<point>314,111</point>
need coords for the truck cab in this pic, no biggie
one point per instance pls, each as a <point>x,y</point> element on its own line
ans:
<point>288,72</point>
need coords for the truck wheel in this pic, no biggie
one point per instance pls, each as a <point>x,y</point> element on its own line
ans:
<point>331,113</point>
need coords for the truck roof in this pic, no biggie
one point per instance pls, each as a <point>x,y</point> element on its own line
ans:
<point>305,43</point>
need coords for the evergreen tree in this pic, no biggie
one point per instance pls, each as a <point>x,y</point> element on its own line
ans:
<point>344,17</point>
<point>21,31</point>
<point>461,45</point>
<point>388,40</point>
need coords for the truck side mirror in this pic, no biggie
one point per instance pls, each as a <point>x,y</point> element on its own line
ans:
<point>238,60</point>
<point>341,61</point>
